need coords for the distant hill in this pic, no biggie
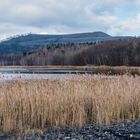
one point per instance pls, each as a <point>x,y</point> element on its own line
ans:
<point>26,43</point>
<point>114,51</point>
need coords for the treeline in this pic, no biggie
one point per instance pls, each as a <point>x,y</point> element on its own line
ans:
<point>113,53</point>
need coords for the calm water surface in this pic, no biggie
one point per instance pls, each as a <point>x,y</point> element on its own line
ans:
<point>7,74</point>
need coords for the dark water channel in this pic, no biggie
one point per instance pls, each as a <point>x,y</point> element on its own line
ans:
<point>43,70</point>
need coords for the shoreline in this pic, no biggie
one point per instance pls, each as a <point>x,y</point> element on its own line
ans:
<point>128,129</point>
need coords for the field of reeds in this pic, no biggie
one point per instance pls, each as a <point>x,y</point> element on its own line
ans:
<point>38,104</point>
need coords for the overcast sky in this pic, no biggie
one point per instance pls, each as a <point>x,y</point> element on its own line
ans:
<point>115,17</point>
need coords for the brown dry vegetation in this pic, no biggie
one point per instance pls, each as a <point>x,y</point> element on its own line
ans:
<point>73,102</point>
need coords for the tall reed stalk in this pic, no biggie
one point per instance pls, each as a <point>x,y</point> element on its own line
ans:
<point>72,102</point>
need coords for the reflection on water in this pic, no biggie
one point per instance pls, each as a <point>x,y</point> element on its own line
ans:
<point>42,70</point>
<point>10,77</point>
<point>7,74</point>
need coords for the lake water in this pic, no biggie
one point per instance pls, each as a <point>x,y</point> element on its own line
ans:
<point>11,74</point>
<point>43,70</point>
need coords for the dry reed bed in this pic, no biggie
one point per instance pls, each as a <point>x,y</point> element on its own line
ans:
<point>73,102</point>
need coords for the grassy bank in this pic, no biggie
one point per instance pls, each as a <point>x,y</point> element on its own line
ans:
<point>72,102</point>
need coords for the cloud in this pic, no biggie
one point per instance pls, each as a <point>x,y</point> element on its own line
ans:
<point>130,26</point>
<point>69,16</point>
